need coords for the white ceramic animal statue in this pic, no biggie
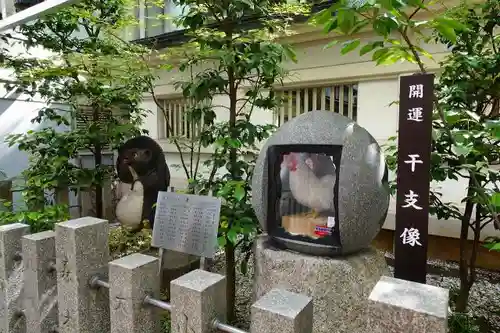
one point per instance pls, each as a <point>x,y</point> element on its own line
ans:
<point>129,208</point>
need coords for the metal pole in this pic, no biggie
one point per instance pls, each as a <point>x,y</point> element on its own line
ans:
<point>95,282</point>
<point>159,304</point>
<point>226,328</point>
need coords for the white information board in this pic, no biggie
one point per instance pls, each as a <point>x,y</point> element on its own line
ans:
<point>187,223</point>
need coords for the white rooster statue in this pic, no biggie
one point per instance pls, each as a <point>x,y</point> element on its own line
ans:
<point>308,189</point>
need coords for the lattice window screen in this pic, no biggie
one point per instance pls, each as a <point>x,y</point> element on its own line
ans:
<point>338,98</point>
<point>178,120</point>
<point>85,115</point>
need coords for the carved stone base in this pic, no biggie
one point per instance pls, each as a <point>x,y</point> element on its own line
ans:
<point>340,287</point>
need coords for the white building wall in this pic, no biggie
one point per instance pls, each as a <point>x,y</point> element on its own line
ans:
<point>16,113</point>
<point>378,86</point>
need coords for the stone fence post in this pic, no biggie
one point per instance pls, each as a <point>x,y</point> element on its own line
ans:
<point>282,311</point>
<point>400,306</point>
<point>12,317</point>
<point>198,301</point>
<point>82,252</point>
<point>131,279</point>
<point>198,298</point>
<point>40,284</point>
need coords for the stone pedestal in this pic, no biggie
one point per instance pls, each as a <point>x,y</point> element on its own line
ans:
<point>339,287</point>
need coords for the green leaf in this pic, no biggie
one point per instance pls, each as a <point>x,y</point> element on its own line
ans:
<point>322,17</point>
<point>330,26</point>
<point>495,199</point>
<point>423,52</point>
<point>452,117</point>
<point>447,32</point>
<point>379,53</point>
<point>473,115</point>
<point>232,236</point>
<point>350,45</point>
<point>452,23</point>
<point>346,19</point>
<point>239,193</point>
<point>290,53</point>
<point>492,246</point>
<point>494,127</point>
<point>387,4</point>
<point>370,47</point>
<point>391,56</point>
<point>221,241</point>
<point>330,44</point>
<point>461,150</point>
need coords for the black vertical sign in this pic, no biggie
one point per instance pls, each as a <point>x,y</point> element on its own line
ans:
<point>416,96</point>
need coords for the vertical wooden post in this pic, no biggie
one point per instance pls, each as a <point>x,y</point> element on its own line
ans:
<point>413,176</point>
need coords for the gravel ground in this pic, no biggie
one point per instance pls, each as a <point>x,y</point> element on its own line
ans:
<point>484,299</point>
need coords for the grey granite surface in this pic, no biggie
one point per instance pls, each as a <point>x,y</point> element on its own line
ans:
<point>403,306</point>
<point>363,199</point>
<point>282,311</point>
<point>12,318</point>
<point>339,287</point>
<point>40,283</point>
<point>131,279</point>
<point>197,298</point>
<point>82,251</point>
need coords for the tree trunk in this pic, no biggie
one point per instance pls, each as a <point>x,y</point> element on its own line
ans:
<point>463,295</point>
<point>98,188</point>
<point>99,209</point>
<point>465,287</point>
<point>233,159</point>
<point>463,298</point>
<point>97,164</point>
<point>231,281</point>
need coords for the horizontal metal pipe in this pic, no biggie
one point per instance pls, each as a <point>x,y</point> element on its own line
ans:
<point>103,284</point>
<point>95,282</point>
<point>226,328</point>
<point>159,304</point>
<point>51,268</point>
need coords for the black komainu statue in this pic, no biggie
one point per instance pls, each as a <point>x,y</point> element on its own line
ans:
<point>141,162</point>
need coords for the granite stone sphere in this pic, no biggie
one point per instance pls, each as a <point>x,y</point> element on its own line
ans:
<point>363,193</point>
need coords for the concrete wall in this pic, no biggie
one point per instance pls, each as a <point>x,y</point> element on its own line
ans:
<point>16,113</point>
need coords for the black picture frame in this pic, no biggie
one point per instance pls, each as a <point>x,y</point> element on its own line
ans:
<point>273,223</point>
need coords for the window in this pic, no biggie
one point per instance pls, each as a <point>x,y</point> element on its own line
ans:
<point>83,118</point>
<point>21,5</point>
<point>175,111</point>
<point>8,8</point>
<point>342,99</point>
<point>153,20</point>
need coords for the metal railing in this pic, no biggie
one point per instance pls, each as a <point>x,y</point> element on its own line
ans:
<point>96,283</point>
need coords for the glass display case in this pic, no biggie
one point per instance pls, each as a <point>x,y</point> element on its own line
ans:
<point>302,197</point>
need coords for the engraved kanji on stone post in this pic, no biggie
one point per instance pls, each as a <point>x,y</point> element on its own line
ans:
<point>413,176</point>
